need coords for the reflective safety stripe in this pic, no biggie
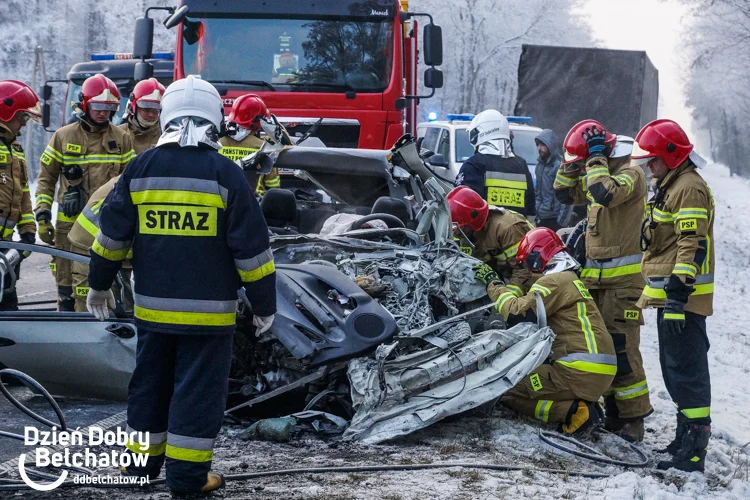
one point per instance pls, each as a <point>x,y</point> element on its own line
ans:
<point>662,216</point>
<point>89,219</point>
<point>55,154</point>
<point>655,286</point>
<point>515,290</point>
<point>7,224</point>
<point>516,181</point>
<point>44,198</point>
<point>625,179</point>
<point>27,219</point>
<point>257,267</point>
<point>706,266</point>
<point>605,364</point>
<point>273,183</point>
<point>674,316</point>
<point>696,412</point>
<point>511,252</point>
<point>189,449</point>
<point>178,190</point>
<point>611,273</point>
<point>701,279</point>
<point>542,410</point>
<point>631,391</point>
<point>586,327</point>
<point>110,249</point>
<point>61,217</point>
<point>7,232</point>
<point>692,213</point>
<point>611,268</point>
<point>544,291</point>
<point>596,172</point>
<point>90,159</point>
<point>185,311</point>
<point>157,442</point>
<point>616,262</point>
<point>565,181</point>
<point>686,269</point>
<point>502,299</point>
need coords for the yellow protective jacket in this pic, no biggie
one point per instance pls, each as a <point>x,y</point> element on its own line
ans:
<point>15,199</point>
<point>497,244</point>
<point>142,139</point>
<point>84,231</point>
<point>681,234</point>
<point>615,193</point>
<point>236,150</point>
<point>102,154</point>
<point>583,350</point>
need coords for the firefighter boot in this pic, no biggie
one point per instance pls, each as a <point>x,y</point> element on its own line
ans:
<point>692,454</point>
<point>214,482</point>
<point>583,416</point>
<point>673,447</point>
<point>65,300</point>
<point>612,420</point>
<point>632,430</point>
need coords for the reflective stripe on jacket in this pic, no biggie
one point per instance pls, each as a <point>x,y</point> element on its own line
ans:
<point>236,150</point>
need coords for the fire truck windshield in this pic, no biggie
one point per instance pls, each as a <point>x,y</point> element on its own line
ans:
<point>291,55</point>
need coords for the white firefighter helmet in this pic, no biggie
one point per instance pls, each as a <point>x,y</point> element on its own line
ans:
<point>192,97</point>
<point>489,125</point>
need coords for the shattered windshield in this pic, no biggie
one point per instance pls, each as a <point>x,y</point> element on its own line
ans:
<point>305,55</point>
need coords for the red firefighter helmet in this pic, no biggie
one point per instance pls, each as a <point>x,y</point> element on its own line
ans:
<point>662,138</point>
<point>100,94</point>
<point>537,248</point>
<point>468,208</point>
<point>575,147</point>
<point>248,110</point>
<point>146,94</point>
<point>17,97</point>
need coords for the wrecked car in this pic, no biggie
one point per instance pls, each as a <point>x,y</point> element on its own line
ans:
<point>383,325</point>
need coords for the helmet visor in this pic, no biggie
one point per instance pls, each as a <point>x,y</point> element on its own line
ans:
<point>148,104</point>
<point>570,157</point>
<point>26,116</point>
<point>103,106</point>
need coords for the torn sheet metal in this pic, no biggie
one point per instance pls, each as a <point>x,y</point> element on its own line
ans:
<point>416,390</point>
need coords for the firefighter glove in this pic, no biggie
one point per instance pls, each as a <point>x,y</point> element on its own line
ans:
<point>98,302</point>
<point>73,172</point>
<point>262,324</point>
<point>46,229</point>
<point>485,274</point>
<point>74,200</point>
<point>674,310</point>
<point>595,139</point>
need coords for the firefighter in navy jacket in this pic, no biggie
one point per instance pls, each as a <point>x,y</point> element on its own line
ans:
<point>197,234</point>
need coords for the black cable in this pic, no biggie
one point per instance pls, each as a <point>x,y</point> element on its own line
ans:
<point>22,376</point>
<point>592,453</point>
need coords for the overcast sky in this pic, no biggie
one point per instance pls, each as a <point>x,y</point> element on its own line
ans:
<point>653,26</point>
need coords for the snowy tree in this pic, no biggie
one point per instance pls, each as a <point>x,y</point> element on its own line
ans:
<point>717,70</point>
<point>482,45</point>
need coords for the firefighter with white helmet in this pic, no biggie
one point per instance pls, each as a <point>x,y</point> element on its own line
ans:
<point>18,105</point>
<point>82,157</point>
<point>500,177</point>
<point>177,204</point>
<point>142,119</point>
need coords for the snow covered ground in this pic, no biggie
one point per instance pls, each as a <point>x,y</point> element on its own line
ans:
<point>501,438</point>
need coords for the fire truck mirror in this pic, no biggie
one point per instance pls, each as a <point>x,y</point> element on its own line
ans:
<point>177,17</point>
<point>143,71</point>
<point>433,78</point>
<point>433,45</point>
<point>46,92</point>
<point>401,103</point>
<point>144,38</point>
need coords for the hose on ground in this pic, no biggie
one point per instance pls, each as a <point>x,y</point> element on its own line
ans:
<point>36,385</point>
<point>553,438</point>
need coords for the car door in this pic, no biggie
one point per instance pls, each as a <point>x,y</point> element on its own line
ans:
<point>70,354</point>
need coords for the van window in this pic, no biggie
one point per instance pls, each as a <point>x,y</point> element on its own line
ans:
<point>430,138</point>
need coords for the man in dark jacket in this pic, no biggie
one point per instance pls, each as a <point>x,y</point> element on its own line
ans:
<point>549,210</point>
<point>197,235</point>
<point>500,177</point>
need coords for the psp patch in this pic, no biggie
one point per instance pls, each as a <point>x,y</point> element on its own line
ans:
<point>46,159</point>
<point>631,314</point>
<point>536,383</point>
<point>171,220</point>
<point>73,148</point>
<point>4,158</point>
<point>582,289</point>
<point>82,291</point>
<point>688,225</point>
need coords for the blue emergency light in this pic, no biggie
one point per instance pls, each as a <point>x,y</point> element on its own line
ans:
<point>519,119</point>
<point>461,118</point>
<point>116,56</point>
<point>432,116</point>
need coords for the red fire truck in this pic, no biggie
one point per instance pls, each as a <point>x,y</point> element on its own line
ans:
<point>351,63</point>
